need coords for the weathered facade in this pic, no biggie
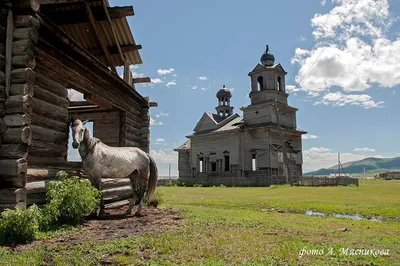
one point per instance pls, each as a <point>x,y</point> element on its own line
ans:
<point>46,48</point>
<point>229,149</point>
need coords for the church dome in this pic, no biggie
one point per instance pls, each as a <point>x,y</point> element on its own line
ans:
<point>224,93</point>
<point>267,59</point>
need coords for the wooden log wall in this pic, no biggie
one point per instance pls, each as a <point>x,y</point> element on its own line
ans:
<point>15,109</point>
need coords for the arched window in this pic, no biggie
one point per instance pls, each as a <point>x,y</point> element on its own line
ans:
<point>279,83</point>
<point>260,81</point>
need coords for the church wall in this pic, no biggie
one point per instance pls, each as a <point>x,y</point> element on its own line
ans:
<point>257,114</point>
<point>184,163</point>
<point>218,144</point>
<point>256,140</point>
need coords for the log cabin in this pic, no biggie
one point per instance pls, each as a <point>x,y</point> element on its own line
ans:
<point>48,47</point>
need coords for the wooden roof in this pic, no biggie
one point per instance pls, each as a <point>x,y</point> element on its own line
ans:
<point>100,29</point>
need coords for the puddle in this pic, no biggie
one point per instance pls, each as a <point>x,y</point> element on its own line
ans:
<point>356,217</point>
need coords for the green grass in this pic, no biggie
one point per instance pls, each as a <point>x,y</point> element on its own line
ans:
<point>248,226</point>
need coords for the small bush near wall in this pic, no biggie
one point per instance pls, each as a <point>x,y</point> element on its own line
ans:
<point>18,226</point>
<point>70,199</point>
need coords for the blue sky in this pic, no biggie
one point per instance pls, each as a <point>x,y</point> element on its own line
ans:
<point>342,59</point>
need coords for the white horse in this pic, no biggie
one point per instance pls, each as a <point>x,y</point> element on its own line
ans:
<point>102,161</point>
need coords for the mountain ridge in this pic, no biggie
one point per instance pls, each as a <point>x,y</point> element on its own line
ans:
<point>369,165</point>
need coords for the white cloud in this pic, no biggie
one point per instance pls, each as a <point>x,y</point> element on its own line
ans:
<point>302,38</point>
<point>316,158</point>
<point>170,83</point>
<point>194,88</point>
<point>132,67</point>
<point>164,156</point>
<point>160,114</point>
<point>165,71</point>
<point>365,149</point>
<point>155,123</point>
<point>351,51</point>
<point>309,136</point>
<point>340,99</point>
<point>75,95</point>
<point>156,81</point>
<point>159,141</point>
<point>323,2</point>
<point>202,78</point>
<point>203,89</point>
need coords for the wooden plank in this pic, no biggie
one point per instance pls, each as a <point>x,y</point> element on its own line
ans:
<point>23,61</point>
<point>141,80</point>
<point>12,195</point>
<point>121,55</point>
<point>18,104</point>
<point>17,135</point>
<point>40,148</point>
<point>26,21</point>
<point>41,161</point>
<point>23,47</point>
<point>26,6</point>
<point>26,33</point>
<point>79,15</point>
<point>127,72</point>
<point>9,43</point>
<point>22,89</point>
<point>47,122</point>
<point>50,110</point>
<point>114,50</point>
<point>99,36</point>
<point>22,76</point>
<point>13,172</point>
<point>20,205</point>
<point>3,126</point>
<point>51,86</point>
<point>44,174</point>
<point>47,135</point>
<point>16,120</point>
<point>14,151</point>
<point>49,97</point>
<point>153,104</point>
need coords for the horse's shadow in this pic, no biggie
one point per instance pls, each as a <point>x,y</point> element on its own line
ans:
<point>111,217</point>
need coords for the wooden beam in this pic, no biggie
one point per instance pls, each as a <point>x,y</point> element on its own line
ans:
<point>99,35</point>
<point>114,50</point>
<point>28,6</point>
<point>153,104</point>
<point>113,31</point>
<point>141,80</point>
<point>63,17</point>
<point>127,72</point>
<point>9,44</point>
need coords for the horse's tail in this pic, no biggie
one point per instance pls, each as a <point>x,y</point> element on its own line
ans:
<point>151,188</point>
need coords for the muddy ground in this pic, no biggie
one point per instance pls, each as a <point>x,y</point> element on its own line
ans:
<point>115,225</point>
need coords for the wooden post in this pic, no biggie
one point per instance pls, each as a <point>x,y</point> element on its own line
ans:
<point>99,35</point>
<point>127,72</point>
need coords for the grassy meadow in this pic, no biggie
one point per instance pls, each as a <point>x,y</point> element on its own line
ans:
<point>248,226</point>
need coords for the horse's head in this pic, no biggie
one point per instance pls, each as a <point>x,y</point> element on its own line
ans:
<point>78,132</point>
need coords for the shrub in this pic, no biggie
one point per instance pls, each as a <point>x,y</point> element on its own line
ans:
<point>70,199</point>
<point>157,199</point>
<point>18,226</point>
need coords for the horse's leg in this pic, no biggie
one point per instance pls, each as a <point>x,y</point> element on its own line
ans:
<point>96,182</point>
<point>99,187</point>
<point>134,184</point>
<point>142,186</point>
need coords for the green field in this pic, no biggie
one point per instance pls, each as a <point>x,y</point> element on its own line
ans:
<point>249,226</point>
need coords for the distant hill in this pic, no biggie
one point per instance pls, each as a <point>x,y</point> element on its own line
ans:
<point>371,165</point>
